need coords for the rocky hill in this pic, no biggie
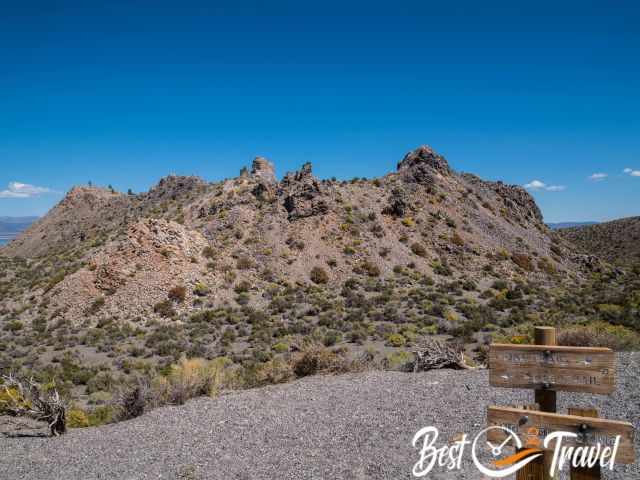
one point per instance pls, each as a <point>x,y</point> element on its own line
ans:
<point>252,267</point>
<point>617,241</point>
<point>253,231</point>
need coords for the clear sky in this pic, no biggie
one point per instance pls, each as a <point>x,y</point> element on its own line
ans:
<point>123,93</point>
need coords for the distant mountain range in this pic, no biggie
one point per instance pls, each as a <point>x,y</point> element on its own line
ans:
<point>10,227</point>
<point>557,226</point>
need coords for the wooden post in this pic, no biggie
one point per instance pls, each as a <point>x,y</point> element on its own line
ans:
<point>535,469</point>
<point>546,399</point>
<point>585,473</point>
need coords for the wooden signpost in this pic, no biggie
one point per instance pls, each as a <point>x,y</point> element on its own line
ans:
<point>548,368</point>
<point>569,369</point>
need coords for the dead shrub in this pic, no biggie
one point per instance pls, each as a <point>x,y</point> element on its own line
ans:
<point>523,261</point>
<point>178,294</point>
<point>318,275</point>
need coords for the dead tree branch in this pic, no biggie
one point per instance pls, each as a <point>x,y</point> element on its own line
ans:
<point>28,398</point>
<point>433,354</point>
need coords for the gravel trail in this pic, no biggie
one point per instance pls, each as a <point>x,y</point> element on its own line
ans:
<point>356,426</point>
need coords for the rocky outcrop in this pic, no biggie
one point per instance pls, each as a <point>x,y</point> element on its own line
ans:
<point>263,170</point>
<point>173,187</point>
<point>302,194</point>
<point>422,164</point>
<point>518,200</point>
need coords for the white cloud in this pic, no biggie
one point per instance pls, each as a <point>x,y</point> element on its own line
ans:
<point>535,185</point>
<point>538,185</point>
<point>633,173</point>
<point>23,190</point>
<point>597,177</point>
<point>627,170</point>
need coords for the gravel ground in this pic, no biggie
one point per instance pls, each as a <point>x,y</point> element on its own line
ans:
<point>356,426</point>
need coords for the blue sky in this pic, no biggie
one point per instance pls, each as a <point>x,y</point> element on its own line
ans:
<point>121,94</point>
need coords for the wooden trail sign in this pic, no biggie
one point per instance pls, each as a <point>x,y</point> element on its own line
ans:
<point>529,423</point>
<point>553,368</point>
<point>548,368</point>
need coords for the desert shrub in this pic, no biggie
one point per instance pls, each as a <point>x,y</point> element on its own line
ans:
<point>500,285</point>
<point>244,263</point>
<point>10,398</point>
<point>358,336</point>
<point>209,252</point>
<point>419,249</point>
<point>177,294</point>
<point>101,415</point>
<point>609,311</point>
<point>396,340</point>
<point>95,306</point>
<point>164,309</point>
<point>331,338</point>
<point>398,360</point>
<point>442,268</point>
<point>318,275</point>
<point>600,334</point>
<point>77,418</point>
<point>547,266</point>
<point>408,222</point>
<point>103,381</point>
<point>191,378</point>
<point>201,290</point>
<point>315,359</point>
<point>242,287</point>
<point>13,326</point>
<point>187,379</point>
<point>367,267</point>
<point>456,239</point>
<point>280,347</point>
<point>271,372</point>
<point>523,261</point>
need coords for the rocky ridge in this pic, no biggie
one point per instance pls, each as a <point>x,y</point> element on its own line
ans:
<point>258,230</point>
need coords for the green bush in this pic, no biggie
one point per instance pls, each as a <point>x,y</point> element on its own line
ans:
<point>77,418</point>
<point>396,340</point>
<point>280,347</point>
<point>201,290</point>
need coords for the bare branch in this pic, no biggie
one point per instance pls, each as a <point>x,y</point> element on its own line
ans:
<point>433,354</point>
<point>30,399</point>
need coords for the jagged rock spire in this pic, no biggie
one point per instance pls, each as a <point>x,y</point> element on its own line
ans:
<point>263,169</point>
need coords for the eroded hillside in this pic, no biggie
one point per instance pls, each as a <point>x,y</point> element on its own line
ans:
<point>251,267</point>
